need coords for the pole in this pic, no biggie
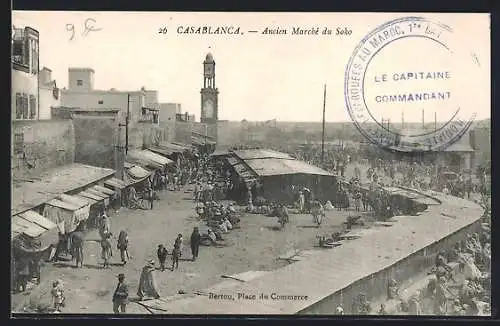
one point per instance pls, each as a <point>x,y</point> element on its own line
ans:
<point>423,119</point>
<point>323,133</point>
<point>435,121</point>
<point>402,119</point>
<point>342,137</point>
<point>38,76</point>
<point>382,121</point>
<point>126,123</point>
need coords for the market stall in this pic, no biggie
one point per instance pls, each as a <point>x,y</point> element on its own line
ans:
<point>32,235</point>
<point>66,215</point>
<point>119,187</point>
<point>97,206</point>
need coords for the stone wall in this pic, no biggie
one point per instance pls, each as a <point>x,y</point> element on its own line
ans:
<point>144,135</point>
<point>97,141</point>
<point>183,132</point>
<point>45,145</point>
<point>375,285</point>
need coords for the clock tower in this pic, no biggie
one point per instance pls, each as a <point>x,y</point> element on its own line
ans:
<point>209,93</point>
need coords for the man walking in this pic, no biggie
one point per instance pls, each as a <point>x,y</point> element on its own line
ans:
<point>122,245</point>
<point>195,242</point>
<point>162,256</point>
<point>120,297</point>
<point>177,252</point>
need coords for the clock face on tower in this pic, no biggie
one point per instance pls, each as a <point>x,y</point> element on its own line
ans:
<point>209,70</point>
<point>208,108</point>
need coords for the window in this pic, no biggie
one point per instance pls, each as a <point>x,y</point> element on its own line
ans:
<point>33,107</point>
<point>18,143</point>
<point>18,51</point>
<point>22,106</point>
<point>100,102</point>
<point>34,56</point>
<point>79,82</point>
<point>25,106</point>
<point>19,106</point>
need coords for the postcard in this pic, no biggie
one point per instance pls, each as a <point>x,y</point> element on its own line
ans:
<point>250,163</point>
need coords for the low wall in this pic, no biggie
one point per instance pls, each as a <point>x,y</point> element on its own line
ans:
<point>375,285</point>
<point>43,144</point>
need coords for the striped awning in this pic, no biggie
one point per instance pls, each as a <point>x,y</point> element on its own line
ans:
<point>77,201</point>
<point>98,193</point>
<point>138,172</point>
<point>105,190</point>
<point>31,224</point>
<point>148,158</point>
<point>87,194</point>
<point>115,183</point>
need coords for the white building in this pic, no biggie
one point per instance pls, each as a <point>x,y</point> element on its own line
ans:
<point>81,79</point>
<point>151,98</point>
<point>168,111</point>
<point>24,79</point>
<point>49,94</point>
<point>81,94</point>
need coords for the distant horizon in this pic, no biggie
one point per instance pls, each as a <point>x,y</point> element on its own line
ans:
<point>343,122</point>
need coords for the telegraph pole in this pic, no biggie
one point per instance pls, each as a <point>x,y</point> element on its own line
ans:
<point>423,118</point>
<point>323,134</point>
<point>126,123</point>
<point>402,120</point>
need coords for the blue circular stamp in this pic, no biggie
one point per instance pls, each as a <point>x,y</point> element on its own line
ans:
<point>409,85</point>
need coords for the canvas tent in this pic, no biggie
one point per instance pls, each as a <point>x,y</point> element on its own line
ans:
<point>135,174</point>
<point>33,231</point>
<point>67,215</point>
<point>148,159</point>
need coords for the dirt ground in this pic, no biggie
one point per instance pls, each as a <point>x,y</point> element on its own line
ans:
<point>254,246</point>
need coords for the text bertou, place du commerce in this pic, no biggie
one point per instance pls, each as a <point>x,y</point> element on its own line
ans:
<point>209,30</point>
<point>275,296</point>
<point>413,97</point>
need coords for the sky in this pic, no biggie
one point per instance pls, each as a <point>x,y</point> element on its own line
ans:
<point>263,77</point>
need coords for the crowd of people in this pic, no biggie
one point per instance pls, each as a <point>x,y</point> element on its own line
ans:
<point>212,184</point>
<point>460,283</point>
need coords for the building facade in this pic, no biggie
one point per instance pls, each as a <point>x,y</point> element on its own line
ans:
<point>81,79</point>
<point>168,112</point>
<point>98,138</point>
<point>24,79</point>
<point>81,94</point>
<point>151,98</point>
<point>49,94</point>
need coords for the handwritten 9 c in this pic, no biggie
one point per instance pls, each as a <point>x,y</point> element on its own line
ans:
<point>89,26</point>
